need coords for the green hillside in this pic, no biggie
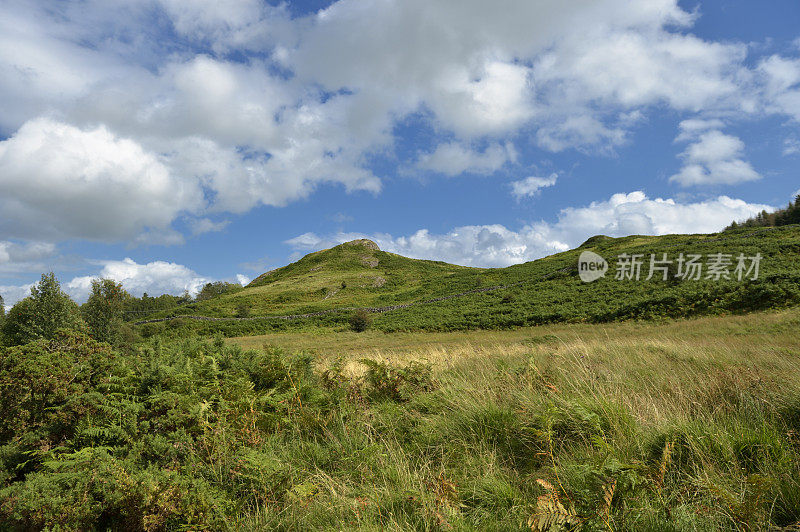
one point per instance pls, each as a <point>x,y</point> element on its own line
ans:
<point>439,296</point>
<point>354,274</point>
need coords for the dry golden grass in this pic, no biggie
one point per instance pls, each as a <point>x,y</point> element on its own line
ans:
<point>692,423</point>
<point>732,334</point>
<point>656,370</point>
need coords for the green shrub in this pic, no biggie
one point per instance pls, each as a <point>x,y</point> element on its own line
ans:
<point>396,383</point>
<point>177,323</point>
<point>360,321</point>
<point>45,386</point>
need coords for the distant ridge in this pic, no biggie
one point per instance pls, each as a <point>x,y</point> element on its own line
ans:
<point>412,294</point>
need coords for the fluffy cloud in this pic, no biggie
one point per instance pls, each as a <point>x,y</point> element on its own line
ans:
<point>635,213</point>
<point>11,294</point>
<point>690,129</point>
<point>530,186</point>
<point>157,277</point>
<point>639,68</point>
<point>247,24</point>
<point>12,254</point>
<point>453,158</point>
<point>63,182</point>
<point>242,106</point>
<point>487,70</point>
<point>18,258</point>
<point>579,131</point>
<point>200,226</point>
<point>496,245</point>
<point>781,91</point>
<point>41,68</point>
<point>498,101</point>
<point>714,159</point>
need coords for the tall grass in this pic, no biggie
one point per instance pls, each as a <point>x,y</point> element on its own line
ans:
<point>666,433</point>
<point>684,426</point>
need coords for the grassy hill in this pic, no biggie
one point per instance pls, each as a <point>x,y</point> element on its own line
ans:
<point>354,274</point>
<point>438,296</point>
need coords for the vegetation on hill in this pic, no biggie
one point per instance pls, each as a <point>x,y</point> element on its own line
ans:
<point>325,288</point>
<point>216,289</point>
<point>542,291</point>
<point>788,216</point>
<point>691,427</point>
<point>137,308</point>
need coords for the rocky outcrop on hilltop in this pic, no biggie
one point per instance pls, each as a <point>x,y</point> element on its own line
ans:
<point>364,242</point>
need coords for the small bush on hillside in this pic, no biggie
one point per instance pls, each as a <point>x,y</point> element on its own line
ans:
<point>176,323</point>
<point>216,289</point>
<point>150,329</point>
<point>243,311</point>
<point>360,321</point>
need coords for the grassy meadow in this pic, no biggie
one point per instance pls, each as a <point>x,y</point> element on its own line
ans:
<point>685,425</point>
<point>679,425</point>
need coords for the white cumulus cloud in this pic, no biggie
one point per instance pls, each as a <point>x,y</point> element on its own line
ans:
<point>781,90</point>
<point>791,146</point>
<point>243,105</point>
<point>530,186</point>
<point>155,278</point>
<point>59,181</point>
<point>453,159</point>
<point>497,245</point>
<point>714,158</point>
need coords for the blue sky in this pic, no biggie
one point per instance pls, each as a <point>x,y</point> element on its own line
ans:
<point>168,143</point>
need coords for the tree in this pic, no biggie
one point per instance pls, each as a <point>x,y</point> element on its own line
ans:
<point>2,318</point>
<point>18,327</point>
<point>788,216</point>
<point>44,312</point>
<point>104,310</point>
<point>216,289</point>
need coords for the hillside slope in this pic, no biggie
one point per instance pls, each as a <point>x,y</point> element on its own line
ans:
<point>354,274</point>
<point>440,296</point>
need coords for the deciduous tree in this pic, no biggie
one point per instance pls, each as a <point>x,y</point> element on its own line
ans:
<point>44,312</point>
<point>104,310</point>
